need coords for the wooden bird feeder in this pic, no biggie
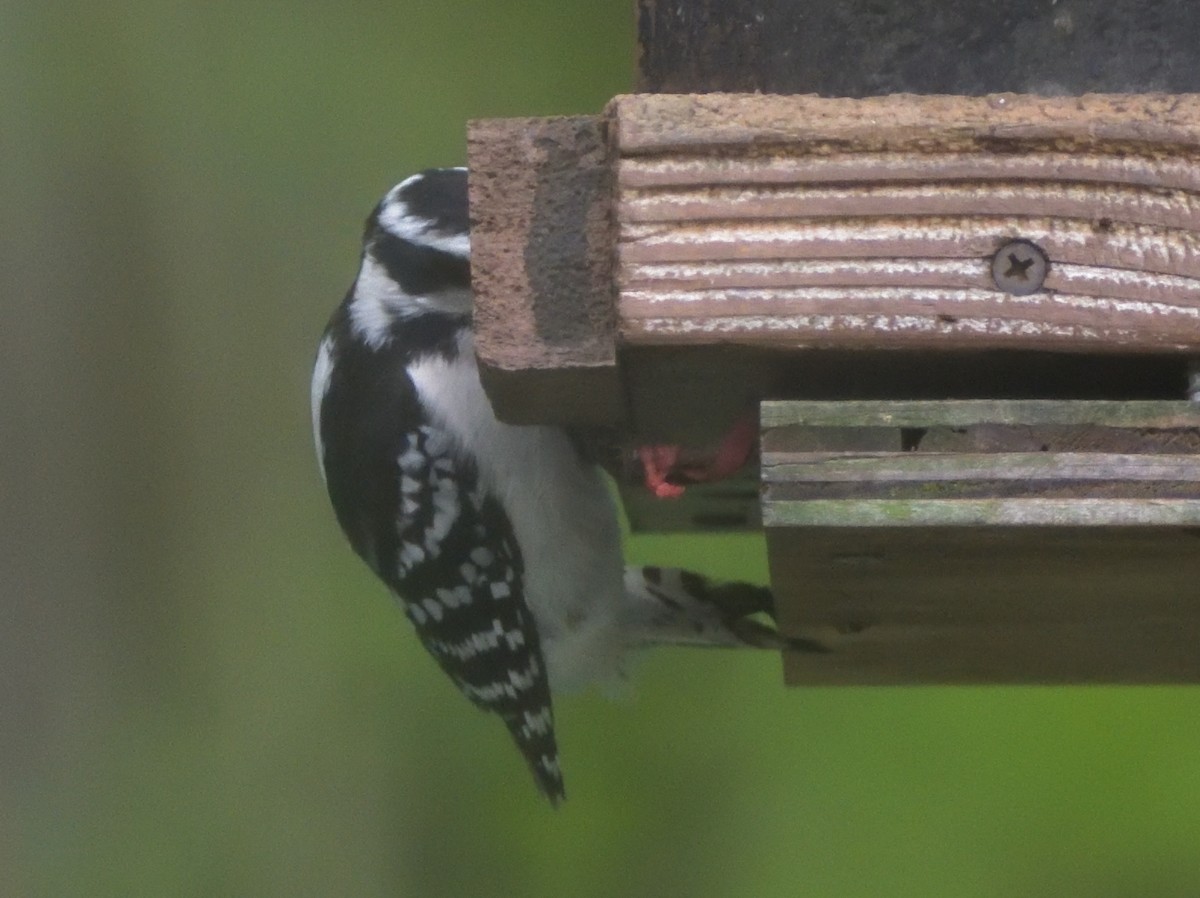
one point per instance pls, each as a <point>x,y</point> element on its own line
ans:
<point>969,321</point>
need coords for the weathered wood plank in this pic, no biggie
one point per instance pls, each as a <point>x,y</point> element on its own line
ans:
<point>1162,207</point>
<point>654,123</point>
<point>969,541</point>
<point>1157,414</point>
<point>1022,512</point>
<point>990,605</point>
<point>724,277</point>
<point>854,48</point>
<point>1135,247</point>
<point>549,326</point>
<point>808,222</point>
<point>905,318</point>
<point>1156,649</point>
<point>980,463</point>
<point>1131,166</point>
<point>908,467</point>
<point>541,265</point>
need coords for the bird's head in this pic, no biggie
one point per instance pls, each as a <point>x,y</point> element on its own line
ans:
<point>416,256</point>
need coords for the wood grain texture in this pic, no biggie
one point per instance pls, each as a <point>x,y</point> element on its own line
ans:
<point>941,605</point>
<point>1017,463</point>
<point>804,222</point>
<point>1132,415</point>
<point>1019,541</point>
<point>856,48</point>
<point>541,265</point>
<point>652,123</point>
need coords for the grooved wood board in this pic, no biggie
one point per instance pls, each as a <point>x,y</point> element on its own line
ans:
<point>801,221</point>
<point>1035,463</point>
<point>1020,541</point>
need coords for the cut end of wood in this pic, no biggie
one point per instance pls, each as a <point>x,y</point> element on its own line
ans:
<point>540,194</point>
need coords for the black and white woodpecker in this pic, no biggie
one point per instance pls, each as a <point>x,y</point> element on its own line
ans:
<point>500,542</point>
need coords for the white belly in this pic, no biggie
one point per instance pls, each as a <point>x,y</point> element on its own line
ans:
<point>562,515</point>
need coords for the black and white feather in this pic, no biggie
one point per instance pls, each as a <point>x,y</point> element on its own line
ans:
<point>501,542</point>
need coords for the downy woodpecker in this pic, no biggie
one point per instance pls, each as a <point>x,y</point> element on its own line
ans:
<point>500,542</point>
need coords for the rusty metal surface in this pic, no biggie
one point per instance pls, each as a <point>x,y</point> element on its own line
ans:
<point>799,222</point>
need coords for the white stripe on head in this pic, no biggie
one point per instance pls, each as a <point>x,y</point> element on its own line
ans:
<point>396,218</point>
<point>379,302</point>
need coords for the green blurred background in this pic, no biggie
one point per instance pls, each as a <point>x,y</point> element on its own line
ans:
<point>205,694</point>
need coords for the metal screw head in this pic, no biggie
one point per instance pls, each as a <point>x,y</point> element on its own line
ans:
<point>1019,267</point>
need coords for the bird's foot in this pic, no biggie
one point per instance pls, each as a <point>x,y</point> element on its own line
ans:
<point>668,469</point>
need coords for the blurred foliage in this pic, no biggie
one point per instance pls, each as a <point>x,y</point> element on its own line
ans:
<point>205,694</point>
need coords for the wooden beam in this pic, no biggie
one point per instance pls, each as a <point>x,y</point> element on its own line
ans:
<point>801,222</point>
<point>1002,605</point>
<point>986,541</point>
<point>752,226</point>
<point>858,48</point>
<point>540,193</point>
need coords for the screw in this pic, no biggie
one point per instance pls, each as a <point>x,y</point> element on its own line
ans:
<point>1019,267</point>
